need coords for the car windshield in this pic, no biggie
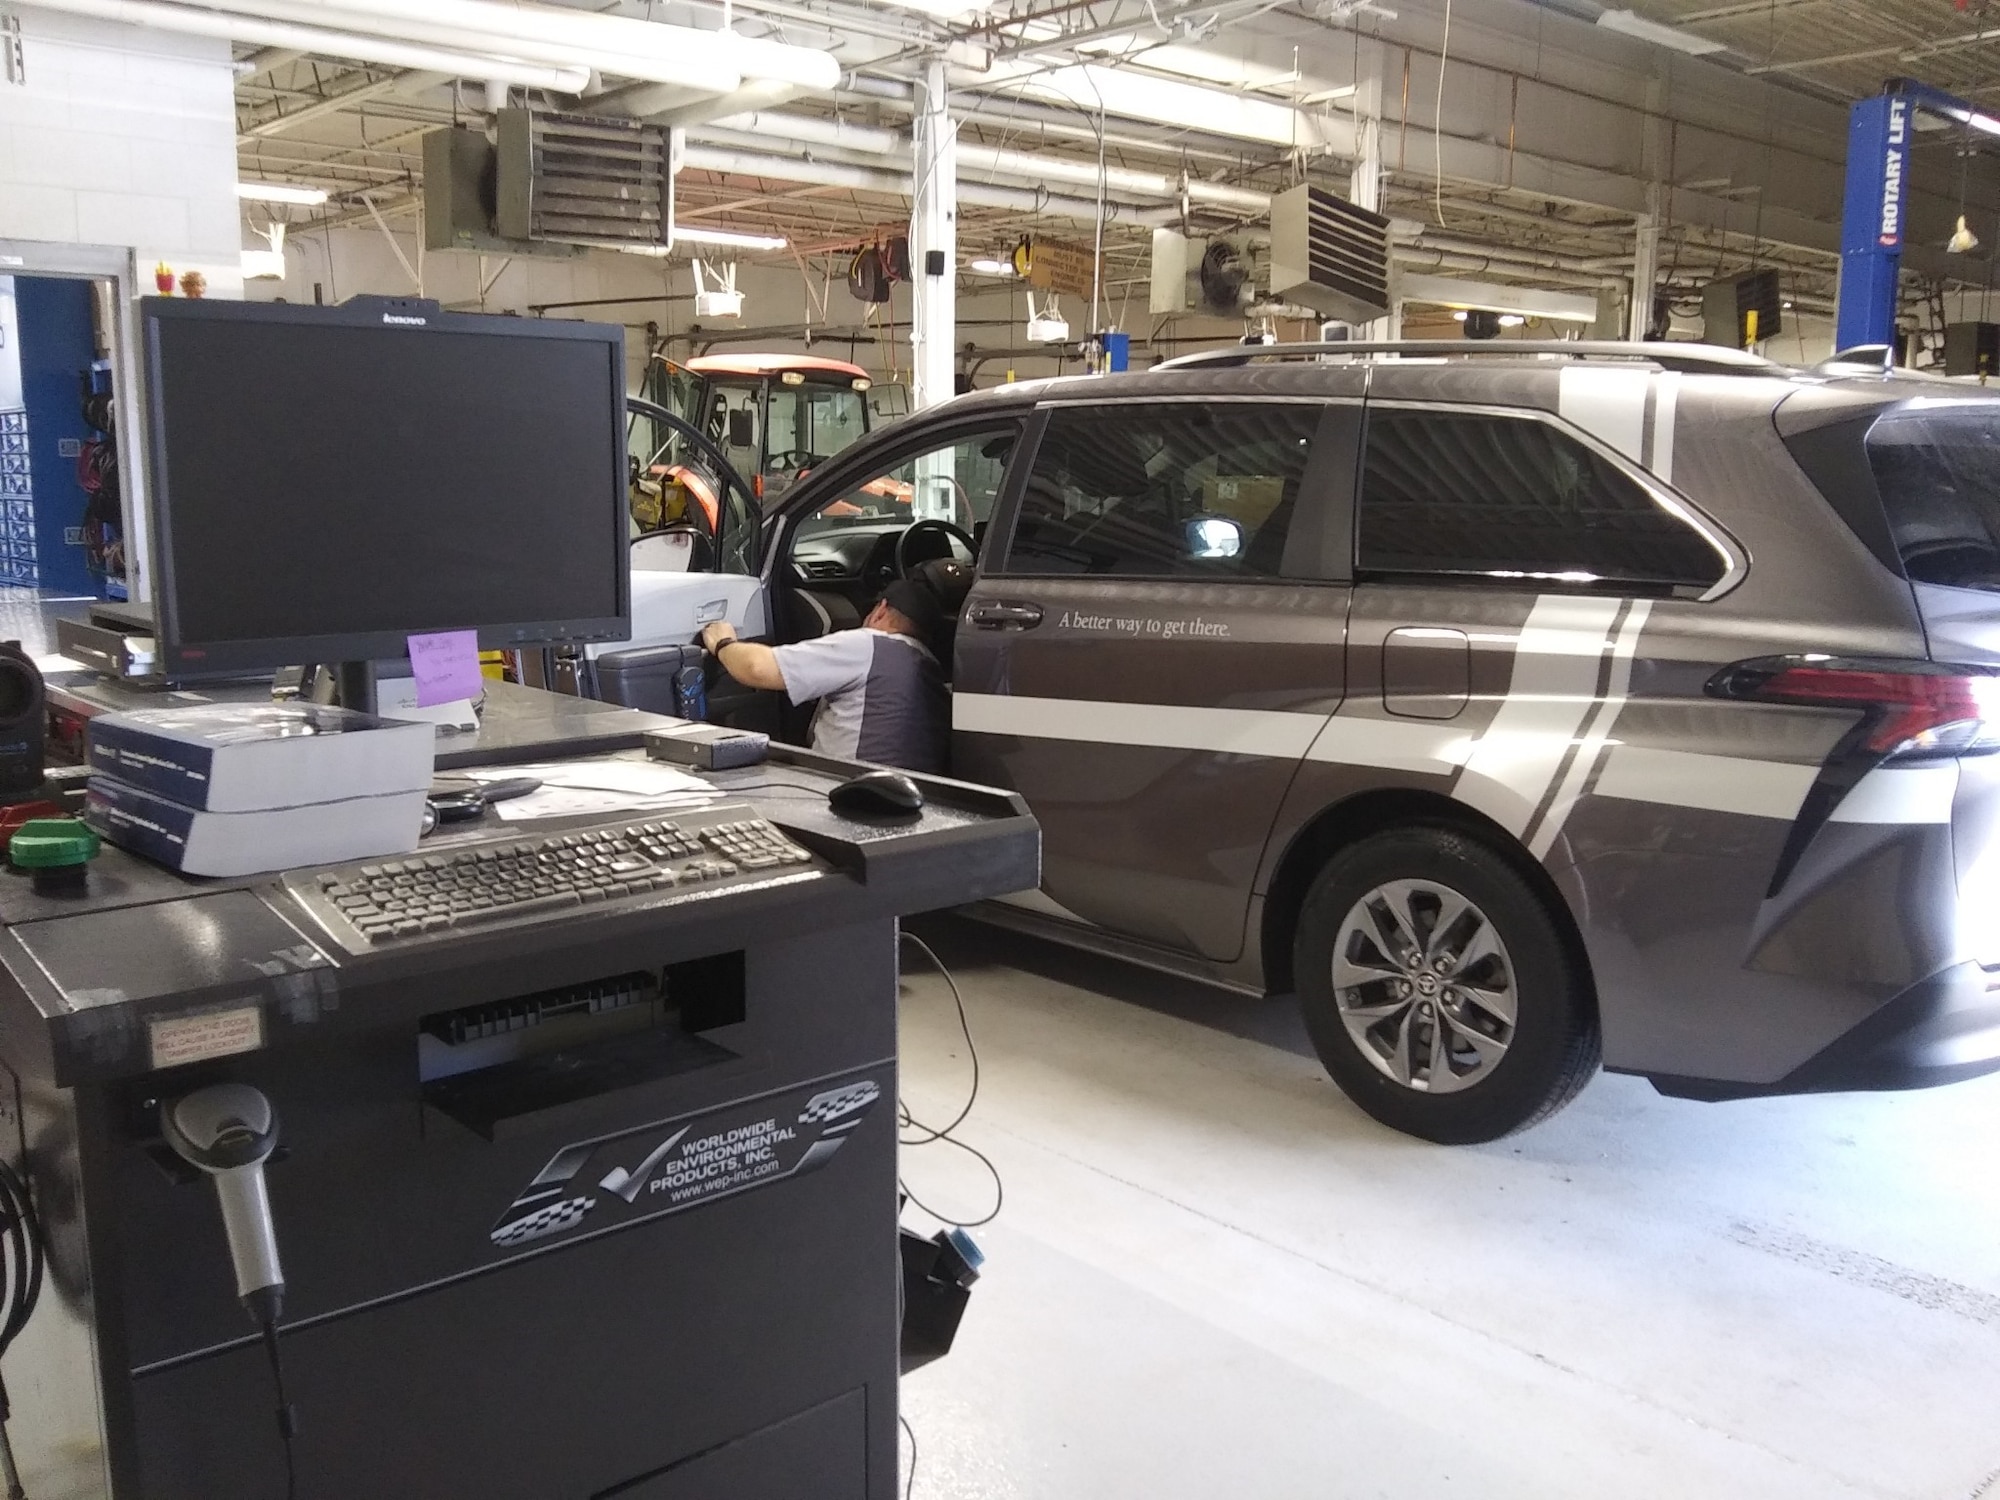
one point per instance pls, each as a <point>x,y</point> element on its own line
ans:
<point>1937,465</point>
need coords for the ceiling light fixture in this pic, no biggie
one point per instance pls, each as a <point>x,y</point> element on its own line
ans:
<point>281,192</point>
<point>731,237</point>
<point>1630,24</point>
<point>987,266</point>
<point>1976,120</point>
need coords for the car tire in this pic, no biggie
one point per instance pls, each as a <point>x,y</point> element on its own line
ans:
<point>1439,988</point>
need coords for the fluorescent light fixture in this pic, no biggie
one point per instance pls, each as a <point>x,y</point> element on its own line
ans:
<point>1511,320</point>
<point>1638,26</point>
<point>987,266</point>
<point>1976,120</point>
<point>1459,316</point>
<point>281,192</point>
<point>657,252</point>
<point>732,237</point>
<point>1132,94</point>
<point>1201,64</point>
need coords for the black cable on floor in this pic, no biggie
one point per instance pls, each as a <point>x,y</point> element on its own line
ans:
<point>25,1263</point>
<point>909,1484</point>
<point>929,1135</point>
<point>965,1029</point>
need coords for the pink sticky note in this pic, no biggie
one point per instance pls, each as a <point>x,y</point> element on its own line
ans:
<point>446,666</point>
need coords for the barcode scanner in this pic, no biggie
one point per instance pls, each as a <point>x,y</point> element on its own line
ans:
<point>229,1131</point>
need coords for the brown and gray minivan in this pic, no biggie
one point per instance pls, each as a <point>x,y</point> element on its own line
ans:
<point>1520,710</point>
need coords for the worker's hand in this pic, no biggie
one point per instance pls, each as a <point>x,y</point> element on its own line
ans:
<point>714,637</point>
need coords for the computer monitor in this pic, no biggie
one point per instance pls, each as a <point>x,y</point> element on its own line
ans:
<point>328,481</point>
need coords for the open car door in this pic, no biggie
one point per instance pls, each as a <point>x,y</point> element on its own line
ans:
<point>697,566</point>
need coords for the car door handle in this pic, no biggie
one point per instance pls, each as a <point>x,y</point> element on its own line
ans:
<point>1003,614</point>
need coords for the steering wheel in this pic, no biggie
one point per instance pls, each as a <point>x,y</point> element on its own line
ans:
<point>905,558</point>
<point>791,461</point>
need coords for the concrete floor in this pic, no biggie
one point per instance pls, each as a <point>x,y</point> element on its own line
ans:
<point>1212,1276</point>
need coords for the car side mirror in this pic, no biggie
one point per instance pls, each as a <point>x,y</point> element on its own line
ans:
<point>742,429</point>
<point>1212,536</point>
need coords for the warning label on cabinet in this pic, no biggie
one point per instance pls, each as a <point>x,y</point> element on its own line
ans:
<point>178,1040</point>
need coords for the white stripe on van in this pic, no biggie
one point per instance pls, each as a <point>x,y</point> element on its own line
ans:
<point>1393,745</point>
<point>1713,783</point>
<point>1597,734</point>
<point>1609,403</point>
<point>1901,794</point>
<point>1164,726</point>
<point>1554,686</point>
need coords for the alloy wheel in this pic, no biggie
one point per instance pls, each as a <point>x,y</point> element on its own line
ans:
<point>1424,986</point>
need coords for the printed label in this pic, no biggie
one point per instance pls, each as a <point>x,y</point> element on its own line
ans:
<point>672,1165</point>
<point>178,1040</point>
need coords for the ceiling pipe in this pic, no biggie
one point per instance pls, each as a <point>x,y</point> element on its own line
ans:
<point>750,163</point>
<point>258,32</point>
<point>259,63</point>
<point>975,159</point>
<point>500,26</point>
<point>872,140</point>
<point>433,33</point>
<point>645,101</point>
<point>869,86</point>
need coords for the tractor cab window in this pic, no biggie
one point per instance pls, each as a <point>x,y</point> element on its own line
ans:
<point>732,423</point>
<point>808,424</point>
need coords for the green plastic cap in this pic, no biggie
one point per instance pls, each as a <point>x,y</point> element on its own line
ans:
<point>52,844</point>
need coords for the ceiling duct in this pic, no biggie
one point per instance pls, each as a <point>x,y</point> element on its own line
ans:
<point>583,180</point>
<point>1329,254</point>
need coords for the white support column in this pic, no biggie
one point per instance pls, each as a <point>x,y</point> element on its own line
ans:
<point>1645,274</point>
<point>1653,152</point>
<point>1365,185</point>
<point>934,232</point>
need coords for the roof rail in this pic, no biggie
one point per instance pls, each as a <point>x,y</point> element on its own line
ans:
<point>1709,359</point>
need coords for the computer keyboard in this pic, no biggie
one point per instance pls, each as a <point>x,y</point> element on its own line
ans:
<point>487,883</point>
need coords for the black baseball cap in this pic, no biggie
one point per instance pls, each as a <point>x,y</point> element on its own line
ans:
<point>915,603</point>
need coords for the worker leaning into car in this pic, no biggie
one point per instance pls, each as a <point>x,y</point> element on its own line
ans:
<point>881,692</point>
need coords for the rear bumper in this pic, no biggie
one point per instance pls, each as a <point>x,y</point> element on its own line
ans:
<point>1943,1030</point>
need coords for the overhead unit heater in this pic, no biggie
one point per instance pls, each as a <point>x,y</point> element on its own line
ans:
<point>461,192</point>
<point>584,180</point>
<point>1329,255</point>
<point>1726,307</point>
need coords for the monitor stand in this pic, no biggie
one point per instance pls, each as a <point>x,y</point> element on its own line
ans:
<point>354,685</point>
<point>385,688</point>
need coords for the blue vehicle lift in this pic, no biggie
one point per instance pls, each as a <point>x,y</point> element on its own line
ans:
<point>1879,135</point>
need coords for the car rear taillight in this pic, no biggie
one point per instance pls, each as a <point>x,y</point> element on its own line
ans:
<point>1910,710</point>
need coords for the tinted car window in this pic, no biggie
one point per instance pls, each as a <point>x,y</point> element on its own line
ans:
<point>1169,490</point>
<point>1938,468</point>
<point>1514,498</point>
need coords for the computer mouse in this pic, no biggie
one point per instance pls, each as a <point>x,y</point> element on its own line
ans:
<point>878,794</point>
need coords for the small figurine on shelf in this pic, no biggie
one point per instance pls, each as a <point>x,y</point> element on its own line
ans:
<point>163,279</point>
<point>193,284</point>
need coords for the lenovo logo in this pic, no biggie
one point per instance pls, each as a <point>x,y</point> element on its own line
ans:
<point>402,321</point>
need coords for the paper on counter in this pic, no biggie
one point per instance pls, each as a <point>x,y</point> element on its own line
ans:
<point>576,789</point>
